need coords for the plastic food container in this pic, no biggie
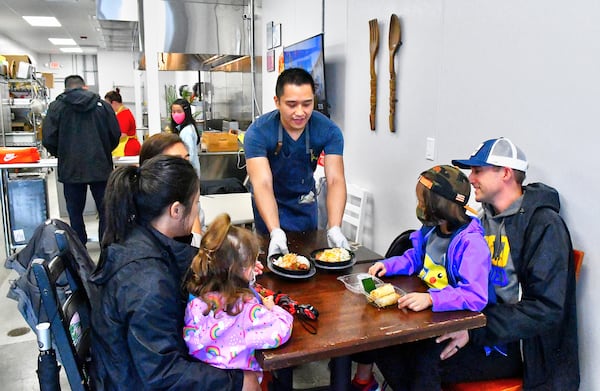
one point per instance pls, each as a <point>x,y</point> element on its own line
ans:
<point>353,282</point>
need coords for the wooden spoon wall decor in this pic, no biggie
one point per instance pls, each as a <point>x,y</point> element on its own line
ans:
<point>373,48</point>
<point>394,44</point>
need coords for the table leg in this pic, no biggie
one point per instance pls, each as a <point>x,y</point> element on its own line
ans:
<point>282,380</point>
<point>341,368</point>
<point>4,211</point>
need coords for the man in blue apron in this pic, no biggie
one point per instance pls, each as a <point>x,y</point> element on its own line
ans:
<point>282,148</point>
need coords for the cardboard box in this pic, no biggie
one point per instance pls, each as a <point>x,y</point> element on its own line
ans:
<point>24,70</point>
<point>49,78</point>
<point>220,142</point>
<point>13,63</point>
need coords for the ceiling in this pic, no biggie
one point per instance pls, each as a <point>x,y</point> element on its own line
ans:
<point>78,20</point>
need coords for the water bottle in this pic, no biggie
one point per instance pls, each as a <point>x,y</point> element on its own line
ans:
<point>43,336</point>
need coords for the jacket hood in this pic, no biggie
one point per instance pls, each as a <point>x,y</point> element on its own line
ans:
<point>539,195</point>
<point>80,100</point>
<point>535,196</point>
<point>143,243</point>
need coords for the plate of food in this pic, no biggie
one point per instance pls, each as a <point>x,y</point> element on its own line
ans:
<point>291,265</point>
<point>333,258</point>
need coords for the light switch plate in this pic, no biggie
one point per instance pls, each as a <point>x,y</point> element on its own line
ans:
<point>430,149</point>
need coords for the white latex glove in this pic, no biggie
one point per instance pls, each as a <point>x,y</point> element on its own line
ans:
<point>336,238</point>
<point>278,243</point>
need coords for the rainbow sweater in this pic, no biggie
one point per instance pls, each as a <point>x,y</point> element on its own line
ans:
<point>226,341</point>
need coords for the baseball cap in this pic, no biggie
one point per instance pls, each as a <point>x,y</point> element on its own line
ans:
<point>448,182</point>
<point>500,152</point>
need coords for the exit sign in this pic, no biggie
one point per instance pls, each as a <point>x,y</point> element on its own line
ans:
<point>54,65</point>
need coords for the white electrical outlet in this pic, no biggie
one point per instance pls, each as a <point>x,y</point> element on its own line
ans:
<point>430,149</point>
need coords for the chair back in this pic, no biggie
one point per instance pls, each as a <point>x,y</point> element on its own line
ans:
<point>400,244</point>
<point>578,260</point>
<point>69,316</point>
<point>352,221</point>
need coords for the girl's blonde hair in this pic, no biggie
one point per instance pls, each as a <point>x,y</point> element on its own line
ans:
<point>225,254</point>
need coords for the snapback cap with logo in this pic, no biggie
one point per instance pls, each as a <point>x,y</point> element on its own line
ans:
<point>448,182</point>
<point>500,152</point>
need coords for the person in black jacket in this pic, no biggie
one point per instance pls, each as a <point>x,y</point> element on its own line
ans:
<point>531,330</point>
<point>81,130</point>
<point>137,296</point>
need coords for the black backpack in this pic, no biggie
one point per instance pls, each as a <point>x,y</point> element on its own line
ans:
<point>43,245</point>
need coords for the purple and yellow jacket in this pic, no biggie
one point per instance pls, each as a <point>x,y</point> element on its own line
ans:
<point>467,267</point>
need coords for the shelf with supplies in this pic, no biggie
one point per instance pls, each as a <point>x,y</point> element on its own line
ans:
<point>27,101</point>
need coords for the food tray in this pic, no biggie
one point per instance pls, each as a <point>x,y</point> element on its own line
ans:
<point>398,291</point>
<point>353,283</point>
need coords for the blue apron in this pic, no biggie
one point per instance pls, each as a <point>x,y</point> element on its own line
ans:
<point>293,186</point>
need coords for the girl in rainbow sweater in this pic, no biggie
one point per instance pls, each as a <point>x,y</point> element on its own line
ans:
<point>225,319</point>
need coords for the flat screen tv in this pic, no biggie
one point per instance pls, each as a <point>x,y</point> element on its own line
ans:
<point>308,55</point>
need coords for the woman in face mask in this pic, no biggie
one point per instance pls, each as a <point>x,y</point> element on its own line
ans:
<point>451,256</point>
<point>183,124</point>
<point>225,319</point>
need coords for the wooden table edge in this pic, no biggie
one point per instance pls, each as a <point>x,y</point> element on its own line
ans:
<point>475,320</point>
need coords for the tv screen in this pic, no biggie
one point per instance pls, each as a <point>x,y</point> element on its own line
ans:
<point>308,55</point>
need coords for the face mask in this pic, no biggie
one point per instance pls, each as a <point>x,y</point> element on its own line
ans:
<point>178,117</point>
<point>424,219</point>
<point>252,279</point>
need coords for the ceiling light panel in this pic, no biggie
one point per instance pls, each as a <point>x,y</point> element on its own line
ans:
<point>42,21</point>
<point>62,41</point>
<point>71,50</point>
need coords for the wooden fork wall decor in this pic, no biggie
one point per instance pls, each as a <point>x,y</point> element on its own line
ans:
<point>373,48</point>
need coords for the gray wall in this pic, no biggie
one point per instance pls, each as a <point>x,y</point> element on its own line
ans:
<point>467,71</point>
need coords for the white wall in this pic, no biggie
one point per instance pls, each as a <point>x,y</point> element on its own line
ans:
<point>467,71</point>
<point>10,47</point>
<point>116,69</point>
<point>299,20</point>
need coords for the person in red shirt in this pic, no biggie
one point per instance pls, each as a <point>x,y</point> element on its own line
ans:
<point>128,144</point>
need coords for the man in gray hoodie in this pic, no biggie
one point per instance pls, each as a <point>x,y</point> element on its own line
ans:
<point>81,130</point>
<point>531,330</point>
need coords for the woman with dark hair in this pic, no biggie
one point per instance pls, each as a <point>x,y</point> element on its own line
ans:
<point>184,125</point>
<point>137,298</point>
<point>171,144</point>
<point>163,144</point>
<point>128,144</point>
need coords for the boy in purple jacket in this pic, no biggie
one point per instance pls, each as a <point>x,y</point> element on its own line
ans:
<point>451,256</point>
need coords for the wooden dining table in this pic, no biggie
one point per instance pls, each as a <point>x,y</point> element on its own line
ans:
<point>347,323</point>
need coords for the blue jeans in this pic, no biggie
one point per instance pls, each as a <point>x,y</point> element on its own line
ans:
<point>75,195</point>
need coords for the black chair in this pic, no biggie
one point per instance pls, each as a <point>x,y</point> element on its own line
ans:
<point>400,244</point>
<point>68,314</point>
